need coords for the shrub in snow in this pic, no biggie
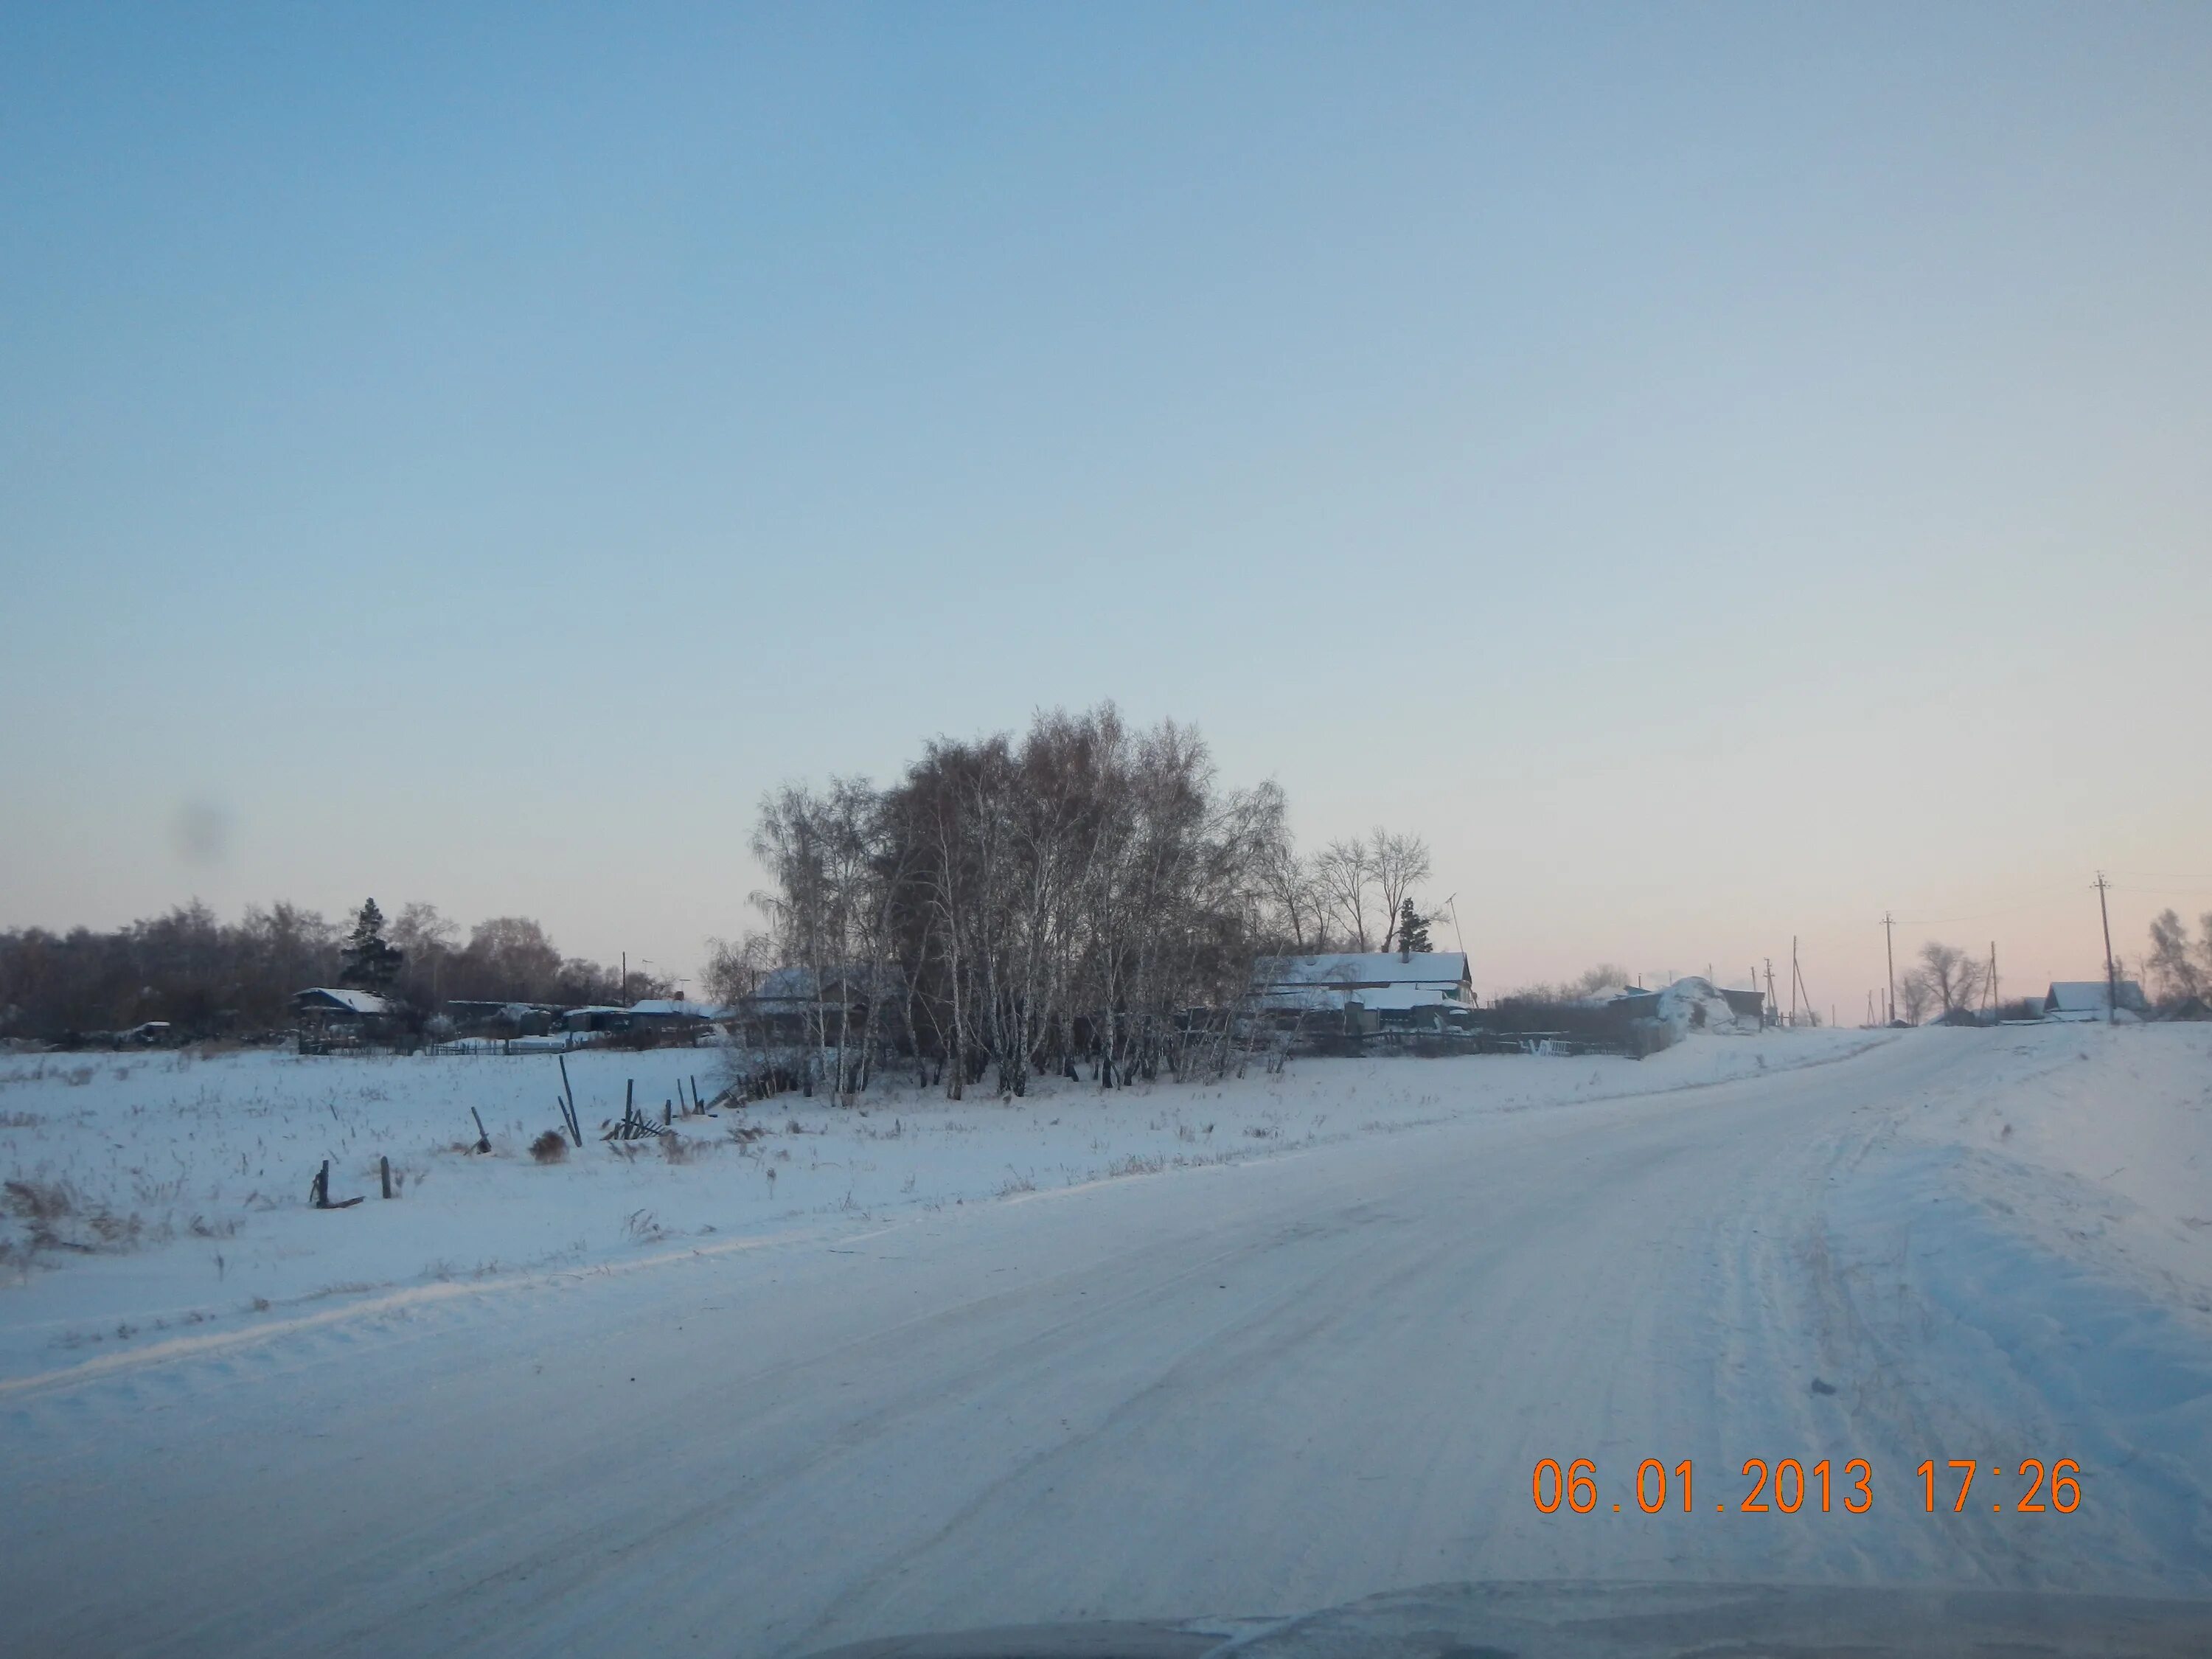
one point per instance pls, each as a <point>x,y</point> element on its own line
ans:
<point>49,1215</point>
<point>551,1147</point>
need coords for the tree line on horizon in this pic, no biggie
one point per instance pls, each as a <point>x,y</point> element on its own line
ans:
<point>208,977</point>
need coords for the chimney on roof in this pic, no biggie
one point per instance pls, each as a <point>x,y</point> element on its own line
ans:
<point>1405,953</point>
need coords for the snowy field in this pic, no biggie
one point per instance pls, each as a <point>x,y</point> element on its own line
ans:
<point>1235,1352</point>
<point>171,1189</point>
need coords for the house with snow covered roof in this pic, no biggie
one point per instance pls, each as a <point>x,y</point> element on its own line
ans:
<point>341,1006</point>
<point>791,1004</point>
<point>2089,999</point>
<point>1332,982</point>
<point>674,1011</point>
<point>340,1015</point>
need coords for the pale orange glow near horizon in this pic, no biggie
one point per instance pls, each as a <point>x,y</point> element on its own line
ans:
<point>1718,475</point>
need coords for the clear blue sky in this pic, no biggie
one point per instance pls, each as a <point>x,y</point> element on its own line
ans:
<point>1716,471</point>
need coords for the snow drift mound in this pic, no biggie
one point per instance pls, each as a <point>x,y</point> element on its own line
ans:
<point>1694,1005</point>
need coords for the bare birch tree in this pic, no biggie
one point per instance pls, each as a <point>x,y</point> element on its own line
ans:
<point>1396,863</point>
<point>1088,892</point>
<point>1347,882</point>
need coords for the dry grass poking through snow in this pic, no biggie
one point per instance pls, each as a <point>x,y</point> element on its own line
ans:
<point>53,1216</point>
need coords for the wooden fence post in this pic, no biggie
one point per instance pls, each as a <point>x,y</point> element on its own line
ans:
<point>575,1133</point>
<point>384,1166</point>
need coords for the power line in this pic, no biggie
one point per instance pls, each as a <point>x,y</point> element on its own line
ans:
<point>1983,915</point>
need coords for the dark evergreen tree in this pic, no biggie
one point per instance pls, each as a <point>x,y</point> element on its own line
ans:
<point>1413,930</point>
<point>371,962</point>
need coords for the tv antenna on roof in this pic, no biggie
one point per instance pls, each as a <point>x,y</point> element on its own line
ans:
<point>1454,909</point>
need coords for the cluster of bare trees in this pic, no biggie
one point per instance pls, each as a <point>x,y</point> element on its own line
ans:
<point>186,967</point>
<point>1606,976</point>
<point>208,977</point>
<point>1948,981</point>
<point>2178,969</point>
<point>1351,895</point>
<point>504,959</point>
<point>1083,893</point>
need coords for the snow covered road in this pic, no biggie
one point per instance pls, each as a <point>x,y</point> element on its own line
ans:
<point>1246,1388</point>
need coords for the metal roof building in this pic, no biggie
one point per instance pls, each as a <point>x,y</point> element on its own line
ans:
<point>1373,979</point>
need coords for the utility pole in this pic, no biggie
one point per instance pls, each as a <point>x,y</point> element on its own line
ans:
<point>1793,980</point>
<point>2111,972</point>
<point>1989,993</point>
<point>1889,947</point>
<point>1774,1007</point>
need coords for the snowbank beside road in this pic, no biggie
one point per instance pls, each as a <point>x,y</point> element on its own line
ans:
<point>2093,1142</point>
<point>2016,1250</point>
<point>162,1195</point>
